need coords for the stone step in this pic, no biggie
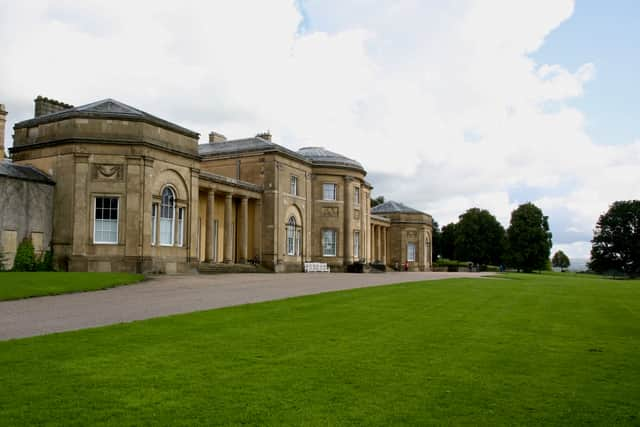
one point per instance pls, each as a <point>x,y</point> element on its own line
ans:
<point>206,268</point>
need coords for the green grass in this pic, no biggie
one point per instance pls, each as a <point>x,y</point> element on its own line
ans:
<point>24,285</point>
<point>512,350</point>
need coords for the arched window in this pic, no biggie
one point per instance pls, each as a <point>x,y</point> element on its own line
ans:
<point>292,237</point>
<point>167,216</point>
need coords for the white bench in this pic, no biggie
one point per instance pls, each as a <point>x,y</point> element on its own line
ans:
<point>316,267</point>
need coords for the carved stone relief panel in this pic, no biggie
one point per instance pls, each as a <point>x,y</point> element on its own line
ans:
<point>356,214</point>
<point>330,211</point>
<point>107,172</point>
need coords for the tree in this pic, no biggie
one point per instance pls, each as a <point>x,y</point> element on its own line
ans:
<point>616,239</point>
<point>528,238</point>
<point>480,238</point>
<point>448,241</point>
<point>560,260</point>
<point>377,201</point>
<point>436,237</point>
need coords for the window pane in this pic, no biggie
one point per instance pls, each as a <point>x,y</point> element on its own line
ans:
<point>154,213</point>
<point>356,244</point>
<point>180,226</point>
<point>329,243</point>
<point>105,228</point>
<point>167,217</point>
<point>329,191</point>
<point>411,252</point>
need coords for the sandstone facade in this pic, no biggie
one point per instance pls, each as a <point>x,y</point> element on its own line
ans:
<point>134,192</point>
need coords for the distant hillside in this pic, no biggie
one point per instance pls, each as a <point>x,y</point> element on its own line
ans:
<point>578,264</point>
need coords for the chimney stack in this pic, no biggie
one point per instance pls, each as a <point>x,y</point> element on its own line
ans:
<point>215,137</point>
<point>3,120</point>
<point>265,135</point>
<point>47,106</point>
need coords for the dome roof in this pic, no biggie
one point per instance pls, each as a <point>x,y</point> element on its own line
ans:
<point>393,207</point>
<point>324,157</point>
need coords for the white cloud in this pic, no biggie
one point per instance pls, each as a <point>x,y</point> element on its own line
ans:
<point>439,100</point>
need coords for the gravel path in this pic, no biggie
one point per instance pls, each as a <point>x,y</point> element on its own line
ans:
<point>166,295</point>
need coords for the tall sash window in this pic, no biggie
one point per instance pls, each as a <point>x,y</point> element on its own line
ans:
<point>167,217</point>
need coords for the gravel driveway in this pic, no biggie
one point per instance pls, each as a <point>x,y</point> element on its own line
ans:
<point>166,295</point>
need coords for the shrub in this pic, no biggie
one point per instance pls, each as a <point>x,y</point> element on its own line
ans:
<point>45,262</point>
<point>444,262</point>
<point>3,259</point>
<point>25,259</point>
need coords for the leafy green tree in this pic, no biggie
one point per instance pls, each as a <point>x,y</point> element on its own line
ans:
<point>480,238</point>
<point>560,260</point>
<point>528,238</point>
<point>448,241</point>
<point>436,237</point>
<point>616,239</point>
<point>377,201</point>
<point>25,259</point>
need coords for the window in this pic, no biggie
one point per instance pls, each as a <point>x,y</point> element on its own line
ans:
<point>411,252</point>
<point>180,226</point>
<point>329,243</point>
<point>167,217</point>
<point>291,236</point>
<point>329,191</point>
<point>356,244</point>
<point>294,185</point>
<point>154,223</point>
<point>356,195</point>
<point>105,228</point>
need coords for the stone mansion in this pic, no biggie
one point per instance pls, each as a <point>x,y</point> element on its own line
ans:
<point>108,187</point>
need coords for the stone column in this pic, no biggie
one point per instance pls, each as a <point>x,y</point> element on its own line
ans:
<point>257,230</point>
<point>348,220</point>
<point>228,229</point>
<point>379,242</point>
<point>209,250</point>
<point>384,245</point>
<point>82,212</point>
<point>372,240</point>
<point>244,237</point>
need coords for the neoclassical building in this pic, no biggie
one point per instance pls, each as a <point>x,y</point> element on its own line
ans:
<point>133,192</point>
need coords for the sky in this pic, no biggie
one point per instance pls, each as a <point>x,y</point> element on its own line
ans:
<point>448,105</point>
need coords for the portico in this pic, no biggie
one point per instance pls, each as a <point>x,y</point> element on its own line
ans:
<point>379,231</point>
<point>229,212</point>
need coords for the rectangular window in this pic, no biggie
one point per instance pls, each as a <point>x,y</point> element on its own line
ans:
<point>329,242</point>
<point>328,191</point>
<point>411,252</point>
<point>294,185</point>
<point>356,196</point>
<point>105,224</point>
<point>356,244</point>
<point>154,223</point>
<point>180,226</point>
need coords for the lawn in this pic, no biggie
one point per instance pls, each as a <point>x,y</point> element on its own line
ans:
<point>516,349</point>
<point>24,285</point>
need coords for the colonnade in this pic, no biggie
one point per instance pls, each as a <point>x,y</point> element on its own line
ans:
<point>228,253</point>
<point>378,241</point>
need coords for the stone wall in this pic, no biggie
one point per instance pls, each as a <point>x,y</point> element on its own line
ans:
<point>26,211</point>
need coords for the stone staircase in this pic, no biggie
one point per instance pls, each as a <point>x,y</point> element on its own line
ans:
<point>219,268</point>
